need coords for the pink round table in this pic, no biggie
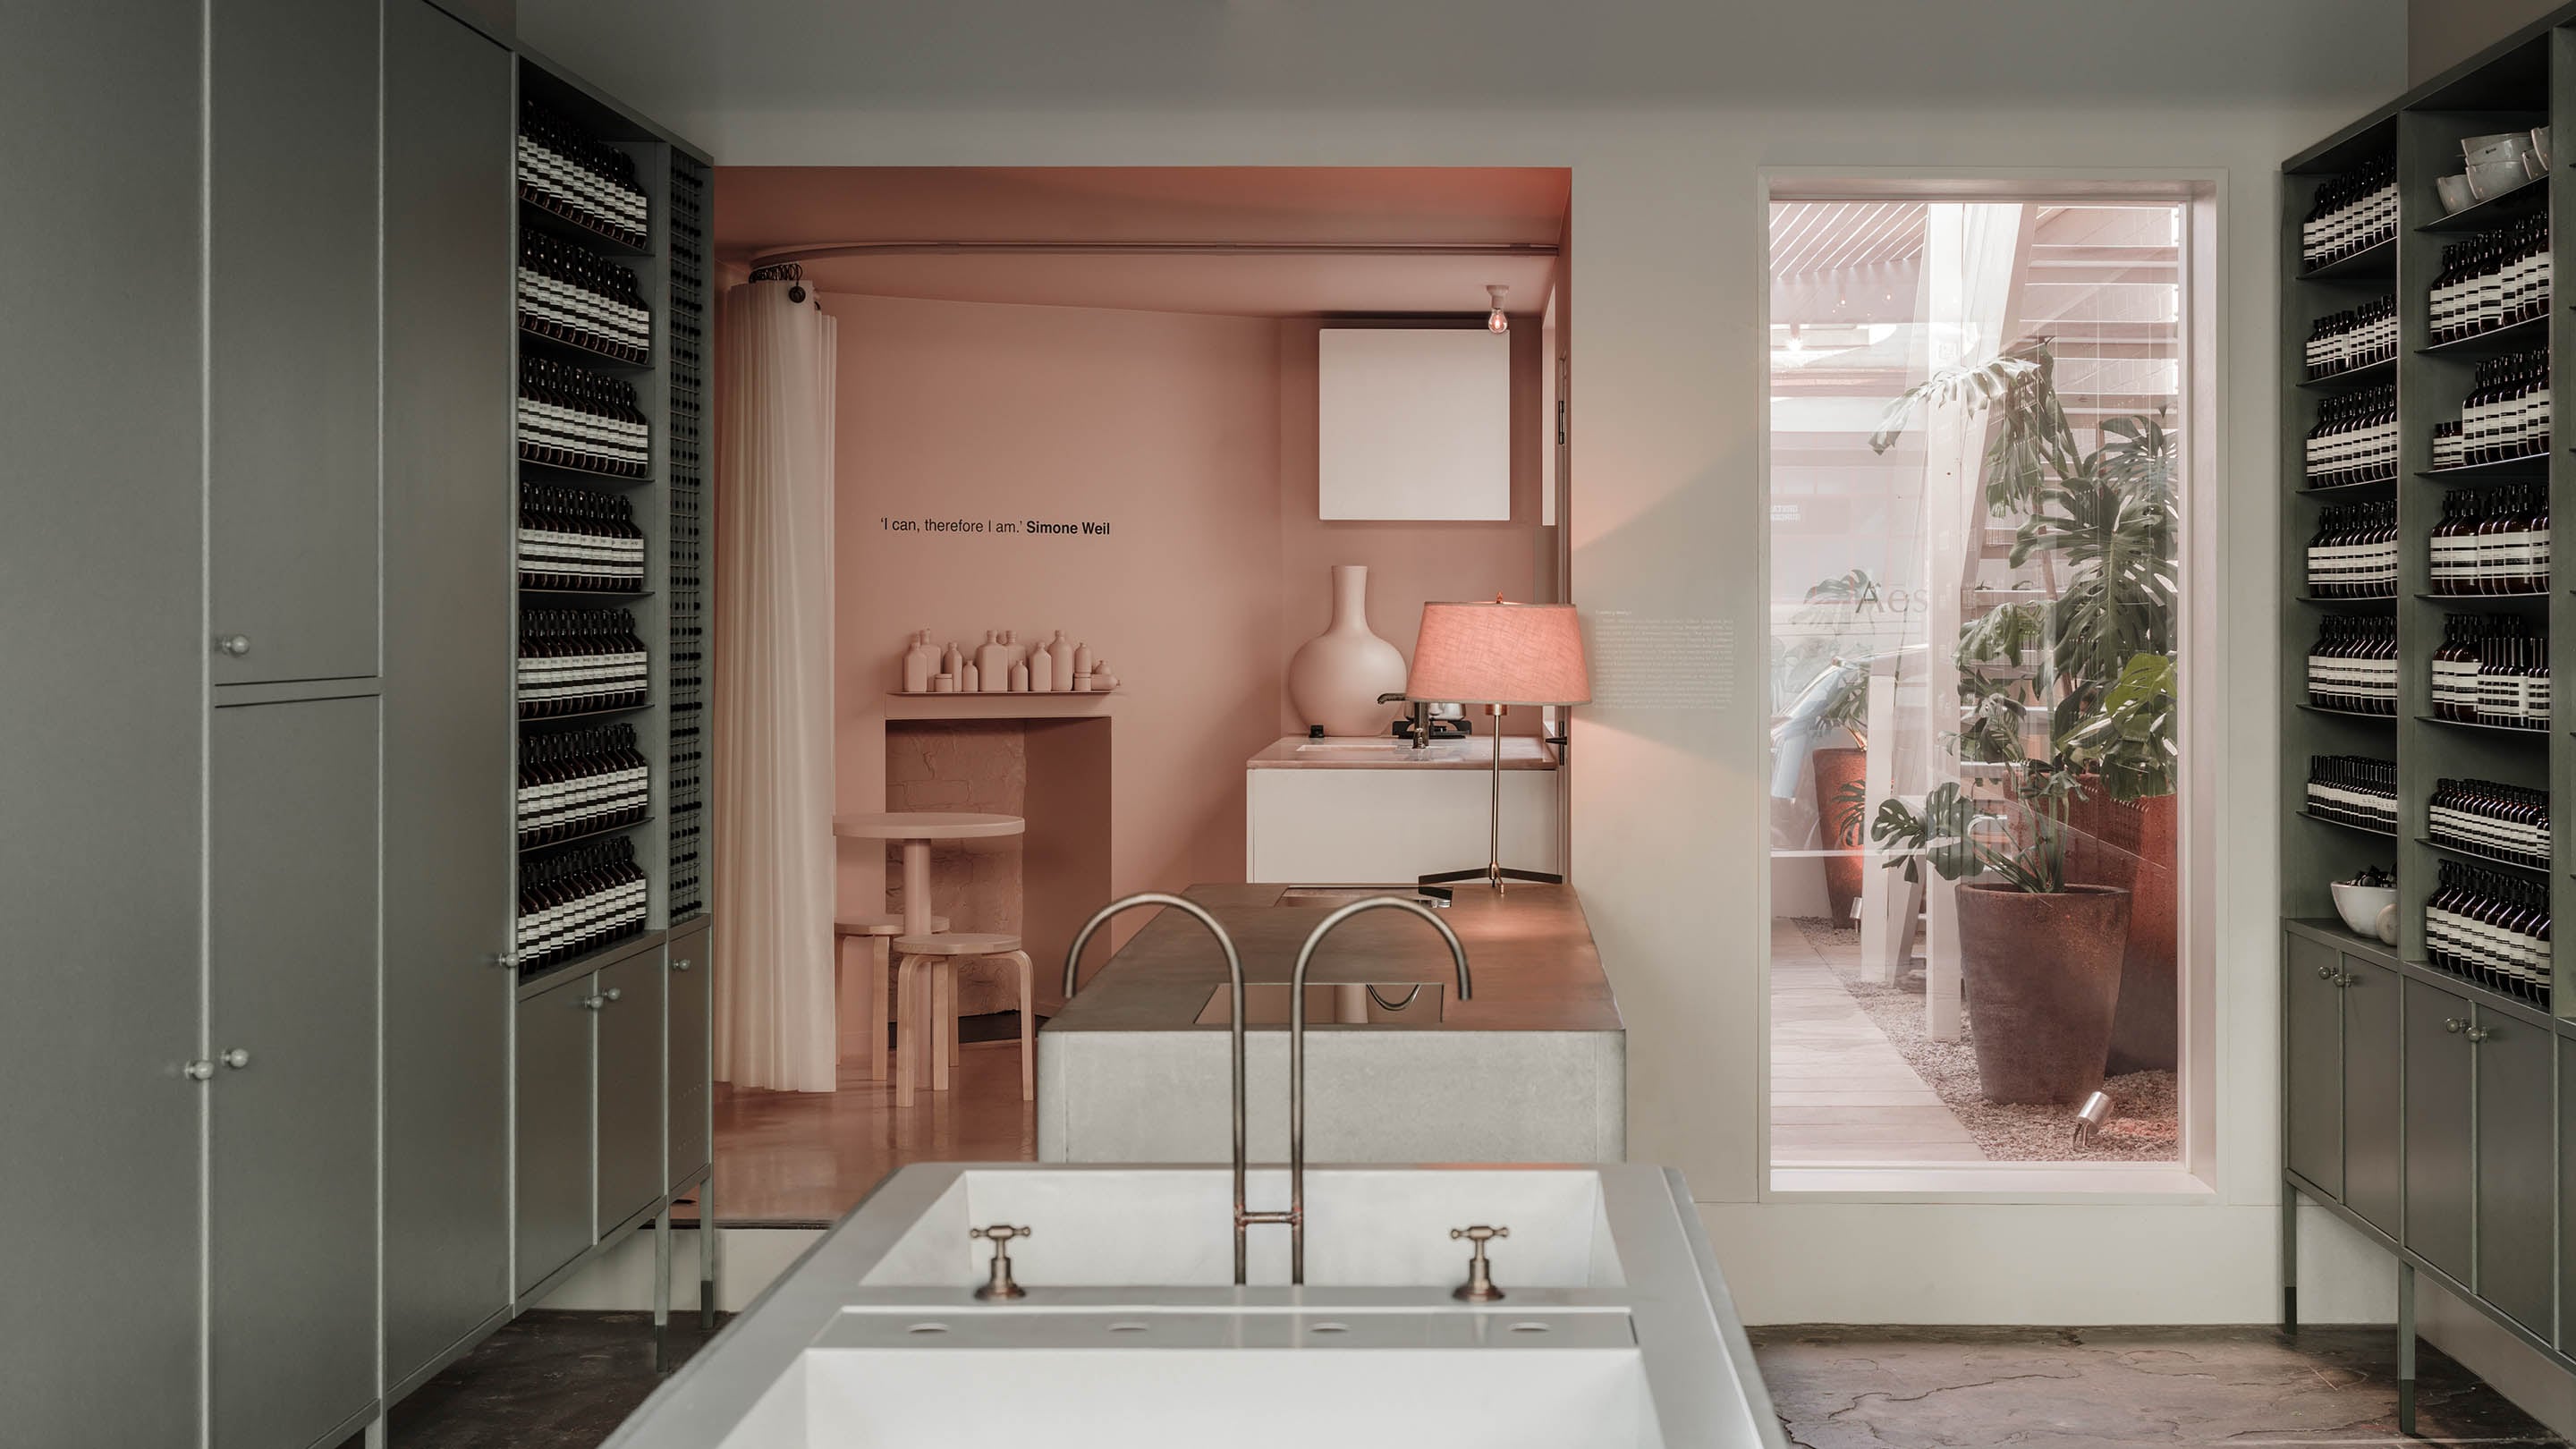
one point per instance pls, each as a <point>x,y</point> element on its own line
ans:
<point>917,829</point>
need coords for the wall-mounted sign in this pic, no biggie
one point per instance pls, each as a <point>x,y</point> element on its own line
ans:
<point>1020,527</point>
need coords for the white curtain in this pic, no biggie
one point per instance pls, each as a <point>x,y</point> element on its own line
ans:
<point>774,862</point>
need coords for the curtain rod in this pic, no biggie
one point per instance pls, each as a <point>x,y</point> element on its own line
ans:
<point>812,251</point>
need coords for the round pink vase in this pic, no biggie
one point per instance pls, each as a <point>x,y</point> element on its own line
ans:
<point>1335,678</point>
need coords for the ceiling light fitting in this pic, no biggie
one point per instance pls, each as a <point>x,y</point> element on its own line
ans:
<point>1495,321</point>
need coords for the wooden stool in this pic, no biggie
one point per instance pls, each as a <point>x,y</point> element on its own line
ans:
<point>925,1005</point>
<point>879,932</point>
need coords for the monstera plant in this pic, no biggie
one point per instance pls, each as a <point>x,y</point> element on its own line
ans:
<point>2064,692</point>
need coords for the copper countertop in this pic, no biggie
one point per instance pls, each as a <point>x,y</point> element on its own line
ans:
<point>1530,953</point>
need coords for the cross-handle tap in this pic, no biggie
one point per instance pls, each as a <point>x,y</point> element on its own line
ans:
<point>1479,1287</point>
<point>1234,975</point>
<point>1296,1215</point>
<point>1000,1236</point>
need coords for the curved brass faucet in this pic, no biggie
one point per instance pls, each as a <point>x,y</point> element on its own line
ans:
<point>1234,972</point>
<point>1296,1214</point>
<point>1295,1218</point>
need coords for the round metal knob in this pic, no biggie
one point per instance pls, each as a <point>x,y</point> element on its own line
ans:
<point>198,1070</point>
<point>682,964</point>
<point>613,993</point>
<point>2325,973</point>
<point>235,645</point>
<point>2479,1033</point>
<point>593,1003</point>
<point>2455,1024</point>
<point>235,1059</point>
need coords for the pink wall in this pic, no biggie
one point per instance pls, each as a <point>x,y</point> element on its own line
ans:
<point>1409,564</point>
<point>1192,437</point>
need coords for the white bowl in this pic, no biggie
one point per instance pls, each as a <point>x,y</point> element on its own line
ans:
<point>2455,193</point>
<point>2360,906</point>
<point>2495,178</point>
<point>2503,146</point>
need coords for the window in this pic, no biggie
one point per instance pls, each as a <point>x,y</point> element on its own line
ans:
<point>1977,416</point>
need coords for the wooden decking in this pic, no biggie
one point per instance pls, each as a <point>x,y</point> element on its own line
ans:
<point>1840,1093</point>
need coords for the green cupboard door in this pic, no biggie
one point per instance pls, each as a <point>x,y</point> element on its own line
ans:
<point>553,1139</point>
<point>2373,1105</point>
<point>448,659</point>
<point>692,974</point>
<point>292,344</point>
<point>291,1221</point>
<point>2438,1127</point>
<point>2314,1068</point>
<point>2517,1166</point>
<point>630,1088</point>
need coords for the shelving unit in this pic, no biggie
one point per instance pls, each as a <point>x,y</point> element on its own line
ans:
<point>612,1098</point>
<point>2422,1108</point>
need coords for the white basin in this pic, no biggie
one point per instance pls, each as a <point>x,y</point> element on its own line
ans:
<point>1615,1330</point>
<point>1285,1379</point>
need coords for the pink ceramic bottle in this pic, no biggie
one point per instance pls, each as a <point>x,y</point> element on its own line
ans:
<point>1060,661</point>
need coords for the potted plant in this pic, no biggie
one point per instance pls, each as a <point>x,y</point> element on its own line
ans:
<point>2069,697</point>
<point>1828,699</point>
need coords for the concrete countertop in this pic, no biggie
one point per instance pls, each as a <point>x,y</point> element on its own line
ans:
<point>1529,951</point>
<point>1476,752</point>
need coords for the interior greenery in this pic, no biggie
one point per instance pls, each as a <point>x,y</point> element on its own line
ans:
<point>2093,654</point>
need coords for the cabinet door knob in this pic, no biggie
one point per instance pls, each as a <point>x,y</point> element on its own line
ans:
<point>2345,978</point>
<point>235,645</point>
<point>235,1059</point>
<point>2479,1033</point>
<point>198,1070</point>
<point>612,993</point>
<point>2325,973</point>
<point>2455,1024</point>
<point>593,1003</point>
<point>680,965</point>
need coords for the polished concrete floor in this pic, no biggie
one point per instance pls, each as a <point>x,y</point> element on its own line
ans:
<point>2041,1388</point>
<point>563,1380</point>
<point>808,1157</point>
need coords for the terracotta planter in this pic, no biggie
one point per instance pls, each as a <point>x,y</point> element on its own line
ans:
<point>2043,980</point>
<point>2131,844</point>
<point>1836,768</point>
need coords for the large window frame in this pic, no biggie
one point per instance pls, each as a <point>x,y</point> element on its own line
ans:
<point>2201,386</point>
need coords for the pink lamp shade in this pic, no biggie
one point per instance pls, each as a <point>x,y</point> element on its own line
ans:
<point>1498,653</point>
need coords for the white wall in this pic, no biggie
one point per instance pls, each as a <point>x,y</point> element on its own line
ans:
<point>1667,392</point>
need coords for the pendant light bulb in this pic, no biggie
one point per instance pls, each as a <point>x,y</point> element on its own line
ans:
<point>1495,321</point>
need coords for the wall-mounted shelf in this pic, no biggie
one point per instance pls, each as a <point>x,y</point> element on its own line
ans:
<point>2375,261</point>
<point>2493,212</point>
<point>535,212</point>
<point>2529,332</point>
<point>2366,375</point>
<point>900,705</point>
<point>535,339</point>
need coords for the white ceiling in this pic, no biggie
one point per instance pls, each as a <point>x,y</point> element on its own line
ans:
<point>693,63</point>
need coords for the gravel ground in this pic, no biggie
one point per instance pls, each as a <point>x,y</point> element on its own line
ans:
<point>2144,1126</point>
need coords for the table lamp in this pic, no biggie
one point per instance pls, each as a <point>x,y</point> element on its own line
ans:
<point>1498,655</point>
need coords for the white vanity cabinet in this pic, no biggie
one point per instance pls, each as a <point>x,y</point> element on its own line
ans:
<point>1379,812</point>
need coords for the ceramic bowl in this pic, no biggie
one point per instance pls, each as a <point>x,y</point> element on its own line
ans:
<point>2540,144</point>
<point>2503,146</point>
<point>2360,906</point>
<point>2455,192</point>
<point>2495,178</point>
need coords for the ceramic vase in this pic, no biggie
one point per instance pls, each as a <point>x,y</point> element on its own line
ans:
<point>1059,652</point>
<point>1335,678</point>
